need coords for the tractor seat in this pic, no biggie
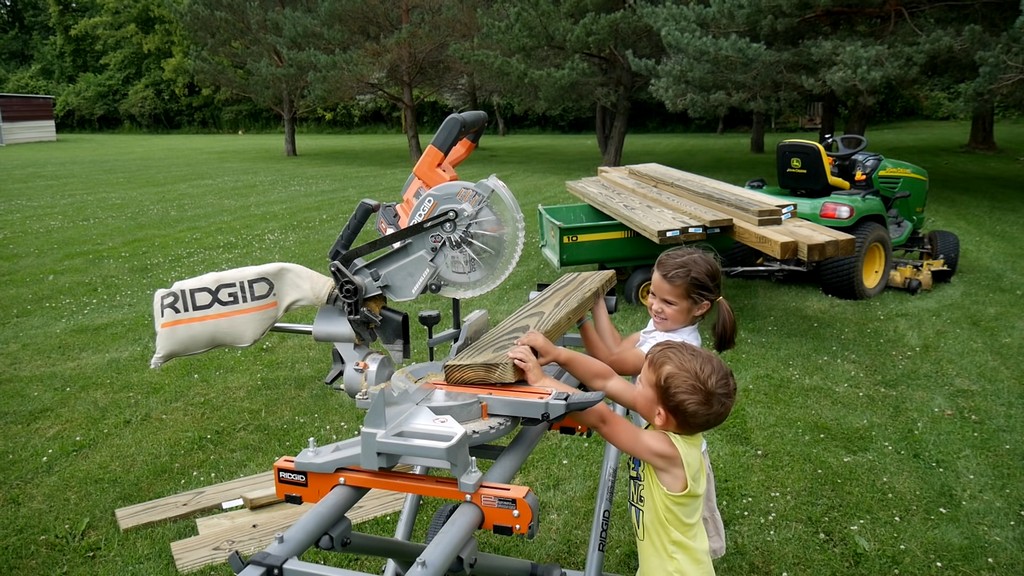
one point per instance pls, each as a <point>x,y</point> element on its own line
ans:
<point>806,170</point>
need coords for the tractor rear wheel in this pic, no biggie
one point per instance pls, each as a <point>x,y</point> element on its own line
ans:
<point>866,273</point>
<point>945,245</point>
<point>638,285</point>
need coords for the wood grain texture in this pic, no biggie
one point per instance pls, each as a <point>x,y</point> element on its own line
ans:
<point>735,206</point>
<point>657,223</point>
<point>260,498</point>
<point>619,178</point>
<point>250,531</point>
<point>551,313</point>
<point>190,502</point>
<point>696,181</point>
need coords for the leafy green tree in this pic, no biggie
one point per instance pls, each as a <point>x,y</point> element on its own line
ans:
<point>264,50</point>
<point>398,50</point>
<point>565,58</point>
<point>715,61</point>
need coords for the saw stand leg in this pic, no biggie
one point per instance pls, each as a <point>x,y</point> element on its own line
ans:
<point>452,550</point>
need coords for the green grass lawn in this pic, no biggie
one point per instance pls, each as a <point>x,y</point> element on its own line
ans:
<point>872,437</point>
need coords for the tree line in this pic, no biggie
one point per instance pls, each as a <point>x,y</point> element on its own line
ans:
<point>607,65</point>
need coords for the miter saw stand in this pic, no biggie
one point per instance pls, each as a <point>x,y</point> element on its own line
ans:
<point>413,418</point>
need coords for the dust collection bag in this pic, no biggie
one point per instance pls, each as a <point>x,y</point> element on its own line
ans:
<point>230,308</point>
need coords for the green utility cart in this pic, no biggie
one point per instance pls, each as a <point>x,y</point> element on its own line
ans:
<point>579,235</point>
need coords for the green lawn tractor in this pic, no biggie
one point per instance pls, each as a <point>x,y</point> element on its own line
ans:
<point>879,201</point>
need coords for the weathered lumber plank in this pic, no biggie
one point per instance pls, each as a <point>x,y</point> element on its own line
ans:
<point>846,244</point>
<point>656,223</point>
<point>260,498</point>
<point>764,238</point>
<point>551,313</point>
<point>188,503</point>
<point>693,181</point>
<point>250,531</point>
<point>619,178</point>
<point>737,207</point>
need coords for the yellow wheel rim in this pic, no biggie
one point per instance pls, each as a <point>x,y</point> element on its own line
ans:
<point>874,265</point>
<point>644,292</point>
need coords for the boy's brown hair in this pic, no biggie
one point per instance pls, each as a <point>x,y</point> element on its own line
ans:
<point>694,385</point>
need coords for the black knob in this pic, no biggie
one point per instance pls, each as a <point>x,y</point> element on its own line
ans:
<point>430,318</point>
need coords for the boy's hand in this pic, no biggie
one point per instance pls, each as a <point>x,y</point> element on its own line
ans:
<point>523,358</point>
<point>542,347</point>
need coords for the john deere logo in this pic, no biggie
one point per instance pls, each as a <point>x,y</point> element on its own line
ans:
<point>795,163</point>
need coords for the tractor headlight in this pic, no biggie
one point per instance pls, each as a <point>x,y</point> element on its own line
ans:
<point>836,211</point>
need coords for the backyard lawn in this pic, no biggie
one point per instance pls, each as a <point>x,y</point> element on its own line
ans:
<point>869,437</point>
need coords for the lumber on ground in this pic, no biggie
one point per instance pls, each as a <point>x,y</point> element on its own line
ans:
<point>742,208</point>
<point>190,502</point>
<point>249,531</point>
<point>551,313</point>
<point>657,223</point>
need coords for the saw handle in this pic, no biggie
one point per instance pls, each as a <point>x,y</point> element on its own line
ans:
<point>353,227</point>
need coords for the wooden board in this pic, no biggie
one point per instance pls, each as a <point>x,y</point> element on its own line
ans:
<point>658,224</point>
<point>767,239</point>
<point>696,181</point>
<point>249,531</point>
<point>260,498</point>
<point>551,313</point>
<point>737,207</point>
<point>619,178</point>
<point>189,503</point>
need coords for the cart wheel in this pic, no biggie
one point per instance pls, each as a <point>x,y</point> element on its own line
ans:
<point>638,285</point>
<point>945,245</point>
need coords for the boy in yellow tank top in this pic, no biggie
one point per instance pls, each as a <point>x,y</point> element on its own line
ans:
<point>682,391</point>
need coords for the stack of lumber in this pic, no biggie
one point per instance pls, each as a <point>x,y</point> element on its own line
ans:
<point>669,206</point>
<point>256,514</point>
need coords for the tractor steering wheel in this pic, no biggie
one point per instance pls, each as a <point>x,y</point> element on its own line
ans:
<point>844,152</point>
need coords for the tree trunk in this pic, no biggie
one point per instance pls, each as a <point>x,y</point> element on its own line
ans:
<point>288,115</point>
<point>721,124</point>
<point>601,127</point>
<point>857,122</point>
<point>829,106</point>
<point>409,123</point>
<point>502,130</point>
<point>757,133</point>
<point>983,131</point>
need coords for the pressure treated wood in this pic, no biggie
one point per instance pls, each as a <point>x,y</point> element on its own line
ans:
<point>658,224</point>
<point>260,498</point>
<point>737,207</point>
<point>249,531</point>
<point>697,182</point>
<point>618,177</point>
<point>551,313</point>
<point>190,502</point>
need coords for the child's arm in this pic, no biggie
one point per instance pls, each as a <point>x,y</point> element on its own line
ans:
<point>651,446</point>
<point>603,341</point>
<point>595,374</point>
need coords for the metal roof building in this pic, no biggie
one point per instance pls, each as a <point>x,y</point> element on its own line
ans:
<point>26,118</point>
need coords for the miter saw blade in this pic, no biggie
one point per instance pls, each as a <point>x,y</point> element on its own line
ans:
<point>477,251</point>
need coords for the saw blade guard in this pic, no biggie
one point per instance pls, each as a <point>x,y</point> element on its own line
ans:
<point>482,248</point>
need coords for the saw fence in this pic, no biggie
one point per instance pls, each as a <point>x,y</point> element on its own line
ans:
<point>670,206</point>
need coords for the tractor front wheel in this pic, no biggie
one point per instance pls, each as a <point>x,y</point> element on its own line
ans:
<point>944,245</point>
<point>638,285</point>
<point>866,273</point>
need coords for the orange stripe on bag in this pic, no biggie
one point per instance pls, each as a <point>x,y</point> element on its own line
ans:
<point>219,316</point>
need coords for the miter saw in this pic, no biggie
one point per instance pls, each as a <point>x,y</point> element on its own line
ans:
<point>454,239</point>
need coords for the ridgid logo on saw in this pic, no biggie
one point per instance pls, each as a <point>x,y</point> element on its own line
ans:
<point>225,295</point>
